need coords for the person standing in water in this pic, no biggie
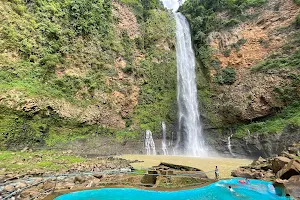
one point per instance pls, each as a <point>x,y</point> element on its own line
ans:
<point>217,173</point>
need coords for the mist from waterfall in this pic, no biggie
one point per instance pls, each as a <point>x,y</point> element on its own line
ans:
<point>190,140</point>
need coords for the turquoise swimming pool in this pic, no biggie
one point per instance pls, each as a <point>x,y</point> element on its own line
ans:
<point>256,190</point>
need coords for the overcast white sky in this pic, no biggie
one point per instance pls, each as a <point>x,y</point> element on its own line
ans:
<point>171,4</point>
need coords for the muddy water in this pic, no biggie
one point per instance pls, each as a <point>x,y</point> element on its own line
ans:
<point>225,165</point>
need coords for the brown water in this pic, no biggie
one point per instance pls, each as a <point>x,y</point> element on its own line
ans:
<point>225,165</point>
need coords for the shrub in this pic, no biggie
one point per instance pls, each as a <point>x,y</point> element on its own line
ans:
<point>226,76</point>
<point>297,2</point>
<point>231,22</point>
<point>49,62</point>
<point>227,52</point>
<point>297,22</point>
<point>238,44</point>
<point>291,61</point>
<point>128,69</point>
<point>88,16</point>
<point>263,43</point>
<point>215,63</point>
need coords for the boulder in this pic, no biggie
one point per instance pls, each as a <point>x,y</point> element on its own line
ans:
<point>279,162</point>
<point>292,187</point>
<point>150,178</point>
<point>79,179</point>
<point>48,185</point>
<point>259,161</point>
<point>269,175</point>
<point>258,175</point>
<point>240,172</point>
<point>91,184</point>
<point>166,166</point>
<point>263,166</point>
<point>60,186</point>
<point>99,176</point>
<point>29,193</point>
<point>69,185</point>
<point>9,188</point>
<point>289,170</point>
<point>20,185</point>
<point>287,154</point>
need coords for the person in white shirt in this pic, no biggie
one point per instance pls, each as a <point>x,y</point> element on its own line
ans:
<point>217,173</point>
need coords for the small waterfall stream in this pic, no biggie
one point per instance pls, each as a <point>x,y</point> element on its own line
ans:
<point>229,145</point>
<point>149,143</point>
<point>164,146</point>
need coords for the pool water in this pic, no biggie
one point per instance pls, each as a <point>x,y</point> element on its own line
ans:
<point>256,190</point>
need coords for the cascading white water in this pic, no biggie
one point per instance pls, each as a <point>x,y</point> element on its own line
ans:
<point>190,140</point>
<point>229,145</point>
<point>149,143</point>
<point>164,146</point>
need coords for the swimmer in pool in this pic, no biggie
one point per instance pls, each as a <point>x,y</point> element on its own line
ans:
<point>247,181</point>
<point>233,192</point>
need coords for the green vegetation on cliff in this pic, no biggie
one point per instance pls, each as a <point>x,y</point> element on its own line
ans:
<point>287,57</point>
<point>66,52</point>
<point>289,116</point>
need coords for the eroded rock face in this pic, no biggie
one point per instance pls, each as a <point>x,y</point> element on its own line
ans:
<point>127,20</point>
<point>251,95</point>
<point>255,145</point>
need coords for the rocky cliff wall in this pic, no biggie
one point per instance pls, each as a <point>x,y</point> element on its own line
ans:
<point>67,73</point>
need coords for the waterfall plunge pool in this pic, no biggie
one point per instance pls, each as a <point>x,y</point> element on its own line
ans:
<point>256,190</point>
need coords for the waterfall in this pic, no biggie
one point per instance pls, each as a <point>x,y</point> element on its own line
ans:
<point>190,140</point>
<point>229,145</point>
<point>164,140</point>
<point>149,143</point>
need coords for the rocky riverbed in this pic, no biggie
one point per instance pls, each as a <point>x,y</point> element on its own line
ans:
<point>26,174</point>
<point>282,169</point>
<point>35,175</point>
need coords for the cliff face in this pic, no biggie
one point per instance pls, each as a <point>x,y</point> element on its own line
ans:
<point>249,72</point>
<point>74,68</point>
<point>251,95</point>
